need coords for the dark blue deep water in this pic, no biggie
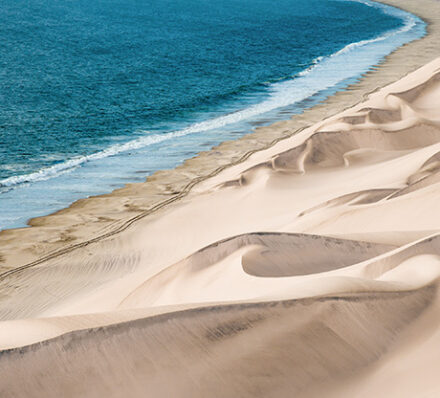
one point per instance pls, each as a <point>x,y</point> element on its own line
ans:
<point>94,94</point>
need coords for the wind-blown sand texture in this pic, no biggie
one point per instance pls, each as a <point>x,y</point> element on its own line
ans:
<point>309,269</point>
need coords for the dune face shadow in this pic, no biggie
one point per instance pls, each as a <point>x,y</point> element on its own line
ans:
<point>234,267</point>
<point>283,255</point>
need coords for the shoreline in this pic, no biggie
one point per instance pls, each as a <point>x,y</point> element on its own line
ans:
<point>309,269</point>
<point>339,297</point>
<point>310,84</point>
<point>91,219</point>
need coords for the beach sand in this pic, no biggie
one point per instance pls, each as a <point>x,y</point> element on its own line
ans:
<point>302,260</point>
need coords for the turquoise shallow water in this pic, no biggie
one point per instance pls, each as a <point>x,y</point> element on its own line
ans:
<point>98,94</point>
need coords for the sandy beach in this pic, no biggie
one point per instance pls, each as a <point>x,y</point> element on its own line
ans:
<point>302,260</point>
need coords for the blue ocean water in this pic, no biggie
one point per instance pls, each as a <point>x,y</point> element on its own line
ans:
<point>95,94</point>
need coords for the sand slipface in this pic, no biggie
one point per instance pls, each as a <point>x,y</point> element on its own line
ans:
<point>309,269</point>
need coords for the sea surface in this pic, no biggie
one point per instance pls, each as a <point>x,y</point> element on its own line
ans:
<point>96,94</point>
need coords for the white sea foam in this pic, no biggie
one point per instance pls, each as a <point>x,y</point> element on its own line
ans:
<point>325,72</point>
<point>410,22</point>
<point>59,168</point>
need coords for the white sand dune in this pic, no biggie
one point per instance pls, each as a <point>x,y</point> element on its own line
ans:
<point>249,267</point>
<point>310,269</point>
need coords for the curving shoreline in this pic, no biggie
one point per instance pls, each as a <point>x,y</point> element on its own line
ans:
<point>309,268</point>
<point>176,183</point>
<point>108,214</point>
<point>339,299</point>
